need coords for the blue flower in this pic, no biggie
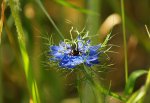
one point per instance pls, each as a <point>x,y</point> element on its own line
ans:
<point>71,54</point>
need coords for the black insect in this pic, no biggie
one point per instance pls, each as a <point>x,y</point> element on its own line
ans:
<point>75,51</point>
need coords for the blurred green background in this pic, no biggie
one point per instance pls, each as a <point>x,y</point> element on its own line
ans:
<point>99,17</point>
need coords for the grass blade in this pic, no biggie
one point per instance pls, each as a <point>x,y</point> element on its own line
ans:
<point>147,89</point>
<point>124,40</point>
<point>79,87</point>
<point>50,19</point>
<point>137,96</point>
<point>147,85</point>
<point>67,4</point>
<point>131,80</point>
<point>1,90</point>
<point>25,58</point>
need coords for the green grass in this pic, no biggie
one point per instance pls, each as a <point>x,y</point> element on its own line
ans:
<point>131,81</point>
<point>147,89</point>
<point>124,40</point>
<point>32,85</point>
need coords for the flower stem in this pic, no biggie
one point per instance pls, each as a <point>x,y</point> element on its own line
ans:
<point>100,88</point>
<point>79,87</point>
<point>124,40</point>
<point>147,84</point>
<point>14,5</point>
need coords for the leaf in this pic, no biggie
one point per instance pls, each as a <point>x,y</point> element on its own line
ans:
<point>131,81</point>
<point>137,96</point>
<point>147,88</point>
<point>67,4</point>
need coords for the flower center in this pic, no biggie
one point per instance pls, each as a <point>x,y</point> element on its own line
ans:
<point>75,52</point>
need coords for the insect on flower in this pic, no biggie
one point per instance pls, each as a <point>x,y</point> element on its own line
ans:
<point>75,52</point>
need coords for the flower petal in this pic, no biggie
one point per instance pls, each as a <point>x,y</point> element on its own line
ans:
<point>54,48</point>
<point>87,54</point>
<point>71,61</point>
<point>95,48</point>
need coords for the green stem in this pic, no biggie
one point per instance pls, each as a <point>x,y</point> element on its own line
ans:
<point>147,84</point>
<point>94,21</point>
<point>100,88</point>
<point>50,19</point>
<point>79,87</point>
<point>1,90</point>
<point>26,62</point>
<point>124,40</point>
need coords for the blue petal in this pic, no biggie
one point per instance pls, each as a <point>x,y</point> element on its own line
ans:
<point>95,61</point>
<point>71,61</point>
<point>80,44</point>
<point>90,60</point>
<point>66,64</point>
<point>95,48</point>
<point>54,48</point>
<point>58,55</point>
<point>62,44</point>
<point>88,64</point>
<point>79,38</point>
<point>88,41</point>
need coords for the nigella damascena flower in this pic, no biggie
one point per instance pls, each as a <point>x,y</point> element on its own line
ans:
<point>71,54</point>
